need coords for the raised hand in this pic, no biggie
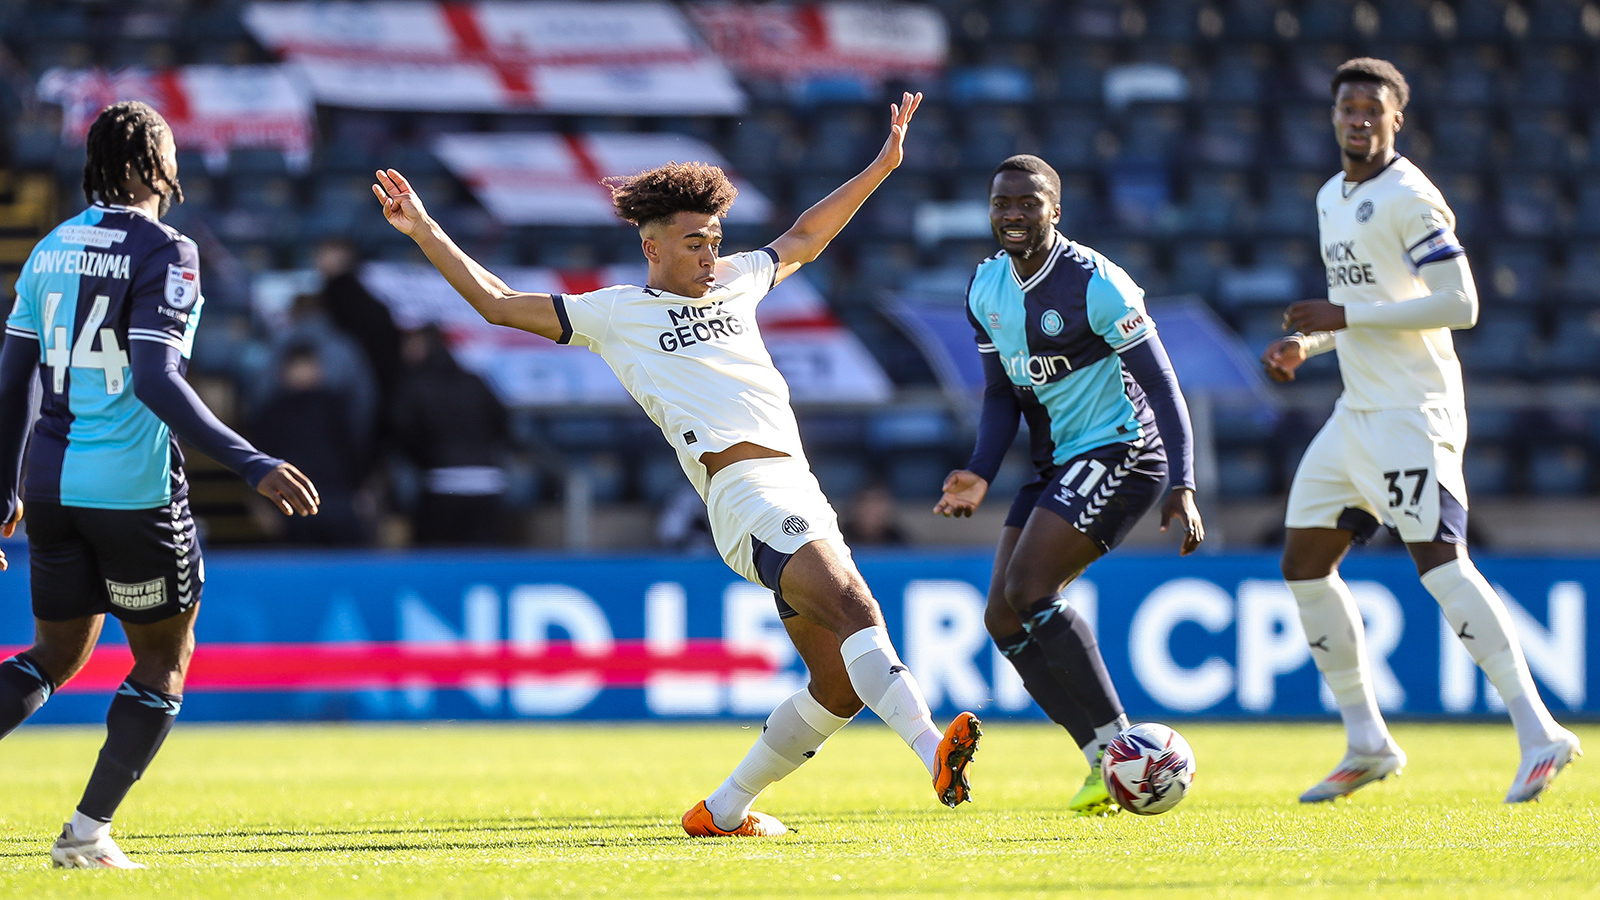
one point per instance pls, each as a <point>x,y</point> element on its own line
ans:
<point>963,492</point>
<point>290,491</point>
<point>893,151</point>
<point>401,205</point>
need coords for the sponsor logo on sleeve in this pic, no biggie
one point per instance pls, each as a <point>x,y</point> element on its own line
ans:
<point>795,526</point>
<point>994,320</point>
<point>144,595</point>
<point>1131,324</point>
<point>183,286</point>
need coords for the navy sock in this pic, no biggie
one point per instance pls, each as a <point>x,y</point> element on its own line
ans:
<point>1042,684</point>
<point>1069,645</point>
<point>24,687</point>
<point>138,722</point>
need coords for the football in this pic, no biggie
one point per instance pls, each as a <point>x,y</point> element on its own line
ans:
<point>1148,769</point>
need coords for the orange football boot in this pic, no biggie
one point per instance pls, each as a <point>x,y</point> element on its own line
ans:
<point>952,758</point>
<point>697,822</point>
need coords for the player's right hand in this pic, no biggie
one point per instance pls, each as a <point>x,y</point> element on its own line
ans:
<point>1282,357</point>
<point>290,491</point>
<point>963,492</point>
<point>7,530</point>
<point>401,205</point>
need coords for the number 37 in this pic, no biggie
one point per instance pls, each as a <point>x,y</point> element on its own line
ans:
<point>1419,479</point>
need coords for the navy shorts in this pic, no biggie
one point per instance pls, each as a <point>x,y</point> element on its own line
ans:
<point>1101,492</point>
<point>140,565</point>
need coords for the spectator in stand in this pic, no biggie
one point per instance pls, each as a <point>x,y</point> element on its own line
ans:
<point>344,368</point>
<point>359,315</point>
<point>308,421</point>
<point>874,519</point>
<point>684,526</point>
<point>453,428</point>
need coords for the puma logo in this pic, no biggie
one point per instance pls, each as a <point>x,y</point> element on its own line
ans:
<point>1462,634</point>
<point>1320,643</point>
<point>809,753</point>
<point>896,670</point>
<point>1407,512</point>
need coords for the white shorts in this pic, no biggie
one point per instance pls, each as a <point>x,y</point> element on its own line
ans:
<point>1400,467</point>
<point>764,510</point>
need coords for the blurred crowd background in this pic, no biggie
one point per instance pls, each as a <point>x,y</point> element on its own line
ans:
<point>1191,136</point>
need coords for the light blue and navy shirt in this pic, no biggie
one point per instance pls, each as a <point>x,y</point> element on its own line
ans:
<point>1057,338</point>
<point>101,282</point>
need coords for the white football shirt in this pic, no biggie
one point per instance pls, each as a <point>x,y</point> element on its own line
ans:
<point>1375,236</point>
<point>698,366</point>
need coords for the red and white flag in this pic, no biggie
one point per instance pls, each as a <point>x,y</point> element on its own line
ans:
<point>211,108</point>
<point>554,179</point>
<point>823,361</point>
<point>875,40</point>
<point>638,58</point>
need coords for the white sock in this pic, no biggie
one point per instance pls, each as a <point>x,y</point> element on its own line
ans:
<point>1107,733</point>
<point>1338,642</point>
<point>1479,618</point>
<point>87,829</point>
<point>887,687</point>
<point>1091,751</point>
<point>793,734</point>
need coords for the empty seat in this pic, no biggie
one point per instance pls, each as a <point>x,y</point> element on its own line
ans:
<point>1501,344</point>
<point>1530,205</point>
<point>1558,471</point>
<point>1228,136</point>
<point>1517,272</point>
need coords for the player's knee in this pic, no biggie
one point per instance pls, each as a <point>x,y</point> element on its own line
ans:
<point>1298,568</point>
<point>1001,620</point>
<point>61,659</point>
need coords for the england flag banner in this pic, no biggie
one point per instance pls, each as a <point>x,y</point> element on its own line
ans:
<point>554,179</point>
<point>822,360</point>
<point>876,40</point>
<point>212,109</point>
<point>637,58</point>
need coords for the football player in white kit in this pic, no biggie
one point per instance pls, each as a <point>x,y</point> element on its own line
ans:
<point>687,348</point>
<point>1398,282</point>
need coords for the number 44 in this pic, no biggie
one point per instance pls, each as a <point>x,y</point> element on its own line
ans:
<point>110,358</point>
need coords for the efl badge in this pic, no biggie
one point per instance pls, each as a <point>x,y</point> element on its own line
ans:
<point>994,320</point>
<point>183,287</point>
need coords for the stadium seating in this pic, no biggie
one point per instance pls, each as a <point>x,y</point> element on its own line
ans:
<point>1191,137</point>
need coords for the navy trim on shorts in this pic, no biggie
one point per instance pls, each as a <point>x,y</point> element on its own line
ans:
<point>770,564</point>
<point>1452,519</point>
<point>1362,525</point>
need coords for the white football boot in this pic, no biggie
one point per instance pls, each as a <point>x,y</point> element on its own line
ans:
<point>72,852</point>
<point>1356,771</point>
<point>1541,765</point>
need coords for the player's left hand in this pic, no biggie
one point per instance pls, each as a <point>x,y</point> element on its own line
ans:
<point>899,118</point>
<point>401,205</point>
<point>1180,505</point>
<point>1309,316</point>
<point>963,494</point>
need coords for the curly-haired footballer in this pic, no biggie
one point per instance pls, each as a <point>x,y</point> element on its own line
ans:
<point>686,347</point>
<point>107,307</point>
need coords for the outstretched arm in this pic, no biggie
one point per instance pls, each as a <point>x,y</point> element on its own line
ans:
<point>820,224</point>
<point>491,297</point>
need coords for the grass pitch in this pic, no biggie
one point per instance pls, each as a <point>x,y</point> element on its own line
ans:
<point>548,810</point>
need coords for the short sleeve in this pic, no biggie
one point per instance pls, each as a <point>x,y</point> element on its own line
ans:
<point>1426,228</point>
<point>760,267</point>
<point>23,321</point>
<point>1116,308</point>
<point>163,293</point>
<point>979,334</point>
<point>585,318</point>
